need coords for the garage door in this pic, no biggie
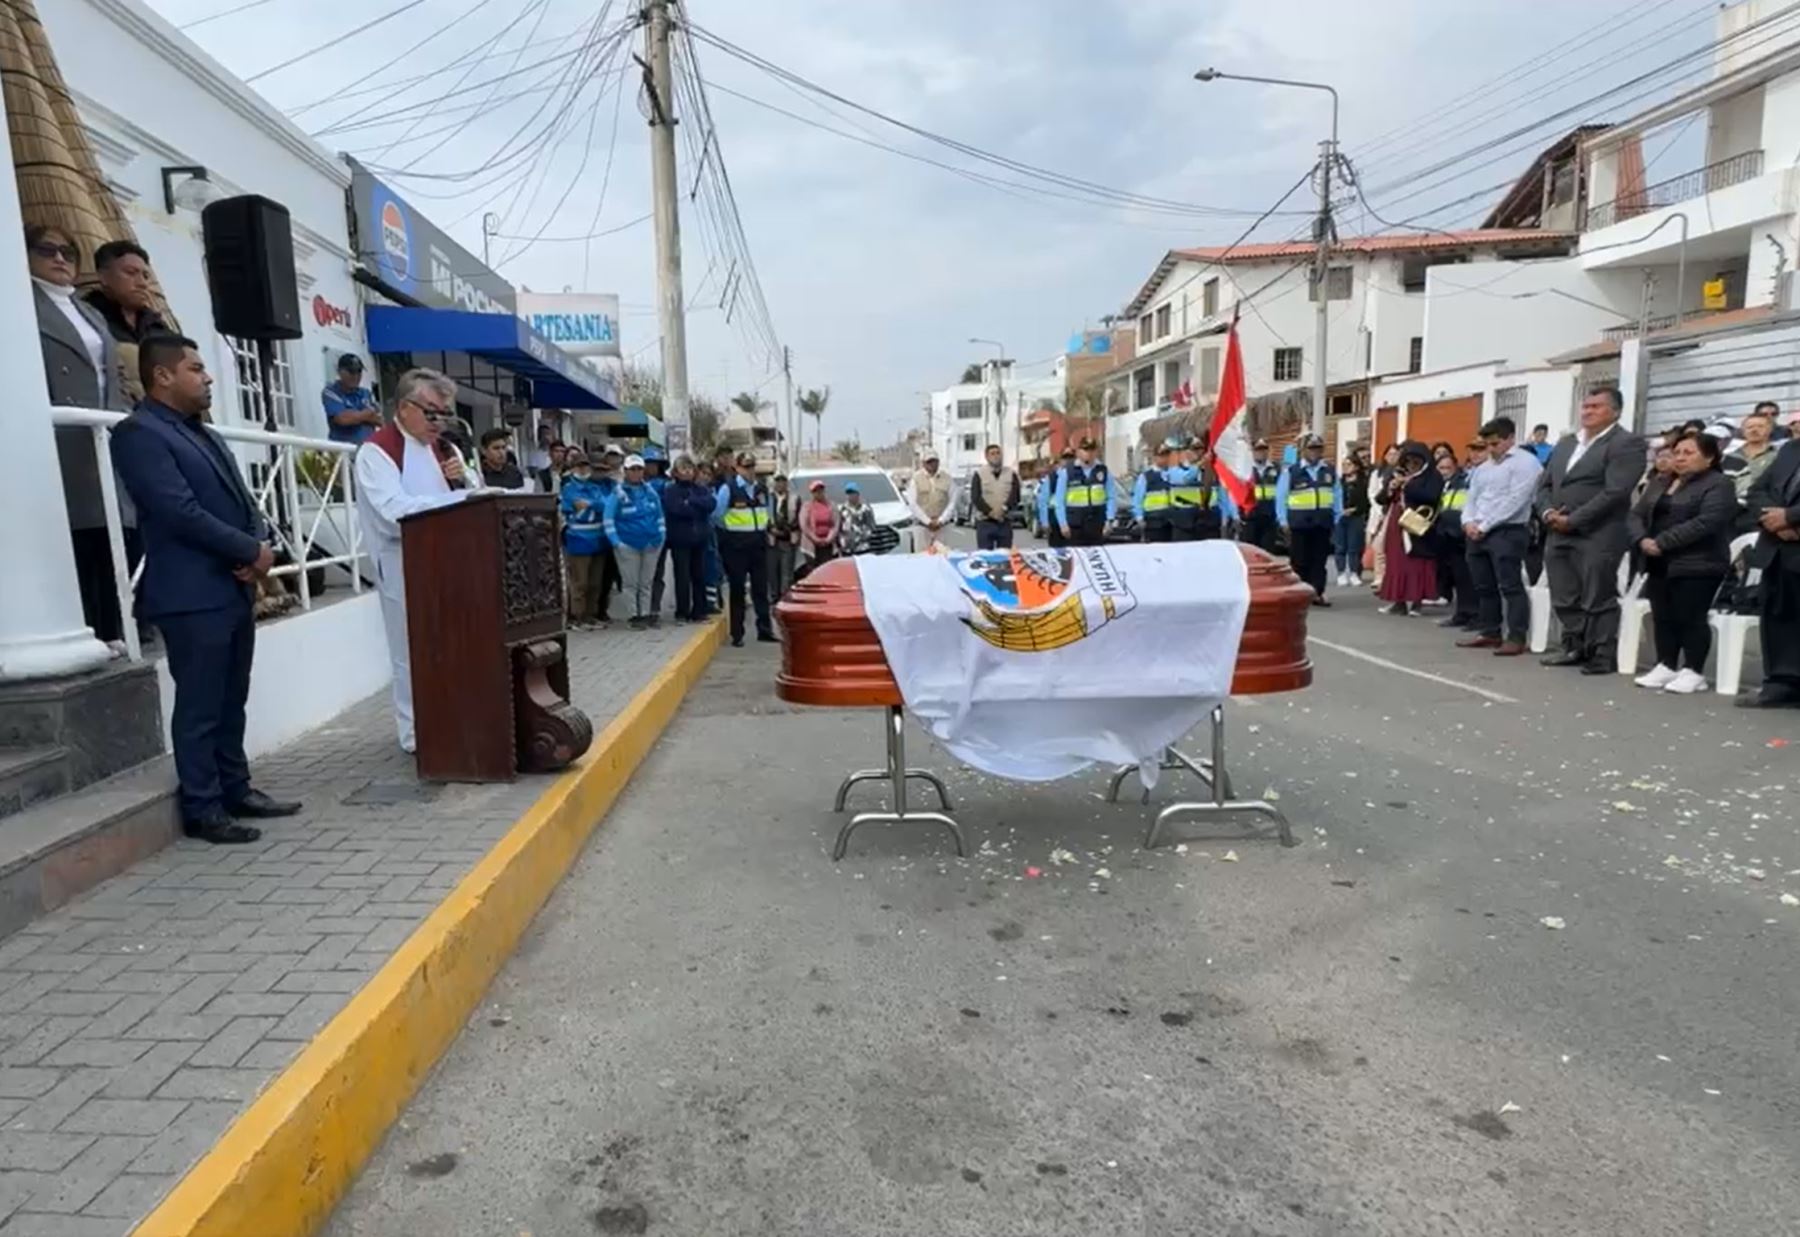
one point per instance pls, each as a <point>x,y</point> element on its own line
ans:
<point>1387,430</point>
<point>1446,420</point>
<point>1722,375</point>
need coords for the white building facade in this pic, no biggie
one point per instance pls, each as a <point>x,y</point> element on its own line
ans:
<point>1376,305</point>
<point>967,417</point>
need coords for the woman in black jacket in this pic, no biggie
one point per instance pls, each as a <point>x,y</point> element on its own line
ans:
<point>1410,575</point>
<point>1682,526</point>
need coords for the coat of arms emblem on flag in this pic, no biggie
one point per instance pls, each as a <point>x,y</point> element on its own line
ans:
<point>1036,600</point>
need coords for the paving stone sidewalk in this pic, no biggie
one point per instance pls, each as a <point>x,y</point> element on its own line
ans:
<point>136,1023</point>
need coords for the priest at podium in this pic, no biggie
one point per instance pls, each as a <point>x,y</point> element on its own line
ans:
<point>401,470</point>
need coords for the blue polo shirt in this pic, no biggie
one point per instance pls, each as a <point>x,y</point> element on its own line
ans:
<point>337,400</point>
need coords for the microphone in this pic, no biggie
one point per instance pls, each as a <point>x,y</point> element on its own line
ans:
<point>444,451</point>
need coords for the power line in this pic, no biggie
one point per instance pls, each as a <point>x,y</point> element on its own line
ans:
<point>541,7</point>
<point>1141,201</point>
<point>231,12</point>
<point>394,87</point>
<point>571,240</point>
<point>334,43</point>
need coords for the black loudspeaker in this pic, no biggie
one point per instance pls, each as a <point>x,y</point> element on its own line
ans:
<point>250,268</point>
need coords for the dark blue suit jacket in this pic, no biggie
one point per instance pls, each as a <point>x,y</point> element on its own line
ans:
<point>195,514</point>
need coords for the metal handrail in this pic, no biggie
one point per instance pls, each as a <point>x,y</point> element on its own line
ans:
<point>1689,185</point>
<point>281,489</point>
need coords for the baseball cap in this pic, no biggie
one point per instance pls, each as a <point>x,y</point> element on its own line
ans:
<point>613,448</point>
<point>746,458</point>
<point>1068,453</point>
<point>853,488</point>
<point>1164,447</point>
<point>928,457</point>
<point>634,461</point>
<point>817,484</point>
<point>1086,444</point>
<point>1262,444</point>
<point>1312,440</point>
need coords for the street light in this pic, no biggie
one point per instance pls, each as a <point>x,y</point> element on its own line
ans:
<point>999,389</point>
<point>1327,153</point>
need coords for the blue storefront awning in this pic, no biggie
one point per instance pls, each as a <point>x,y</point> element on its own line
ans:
<point>558,380</point>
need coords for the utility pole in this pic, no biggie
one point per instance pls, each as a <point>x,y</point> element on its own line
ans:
<point>787,372</point>
<point>1321,276</point>
<point>671,314</point>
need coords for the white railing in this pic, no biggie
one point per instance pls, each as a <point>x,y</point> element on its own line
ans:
<point>297,510</point>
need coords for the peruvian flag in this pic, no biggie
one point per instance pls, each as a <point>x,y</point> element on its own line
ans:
<point>1182,397</point>
<point>1229,442</point>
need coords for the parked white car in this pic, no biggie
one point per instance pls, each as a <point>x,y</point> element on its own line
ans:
<point>893,517</point>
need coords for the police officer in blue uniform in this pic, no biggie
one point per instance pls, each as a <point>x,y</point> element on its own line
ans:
<point>741,511</point>
<point>1047,526</point>
<point>1309,499</point>
<point>1084,499</point>
<point>1263,519</point>
<point>1151,496</point>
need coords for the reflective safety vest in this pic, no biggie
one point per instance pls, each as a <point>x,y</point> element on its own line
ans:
<point>1086,495</point>
<point>1157,496</point>
<point>1267,477</point>
<point>1309,501</point>
<point>1455,499</point>
<point>749,509</point>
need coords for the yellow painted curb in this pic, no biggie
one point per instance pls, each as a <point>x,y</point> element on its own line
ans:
<point>285,1162</point>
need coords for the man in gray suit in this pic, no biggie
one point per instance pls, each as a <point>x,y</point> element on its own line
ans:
<point>1584,497</point>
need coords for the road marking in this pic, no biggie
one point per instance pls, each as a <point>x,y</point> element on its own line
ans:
<point>1385,664</point>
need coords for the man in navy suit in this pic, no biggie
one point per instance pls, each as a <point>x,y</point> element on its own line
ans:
<point>204,546</point>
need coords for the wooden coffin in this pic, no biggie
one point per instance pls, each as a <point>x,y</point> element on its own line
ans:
<point>830,655</point>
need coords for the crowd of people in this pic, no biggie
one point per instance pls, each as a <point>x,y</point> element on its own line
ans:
<point>1468,531</point>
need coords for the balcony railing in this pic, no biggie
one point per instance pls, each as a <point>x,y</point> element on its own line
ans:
<point>306,489</point>
<point>1684,188</point>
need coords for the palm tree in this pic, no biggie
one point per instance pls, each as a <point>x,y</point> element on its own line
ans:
<point>847,449</point>
<point>747,401</point>
<point>812,402</point>
<point>971,373</point>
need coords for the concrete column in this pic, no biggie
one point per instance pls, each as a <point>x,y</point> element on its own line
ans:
<point>41,627</point>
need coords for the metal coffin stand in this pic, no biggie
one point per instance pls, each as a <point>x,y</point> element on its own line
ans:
<point>897,775</point>
<point>1214,774</point>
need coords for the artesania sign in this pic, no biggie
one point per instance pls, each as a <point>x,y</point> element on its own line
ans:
<point>582,324</point>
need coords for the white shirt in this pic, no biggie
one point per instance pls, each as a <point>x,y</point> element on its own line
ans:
<point>1583,442</point>
<point>64,299</point>
<point>385,494</point>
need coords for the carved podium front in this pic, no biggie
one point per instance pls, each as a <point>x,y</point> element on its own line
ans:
<point>484,616</point>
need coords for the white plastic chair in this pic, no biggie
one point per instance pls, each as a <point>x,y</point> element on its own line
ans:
<point>1633,610</point>
<point>1538,595</point>
<point>1733,630</point>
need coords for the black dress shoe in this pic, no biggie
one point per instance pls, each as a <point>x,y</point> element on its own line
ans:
<point>257,806</point>
<point>767,637</point>
<point>1600,665</point>
<point>1568,657</point>
<point>1453,621</point>
<point>737,642</point>
<point>1322,602</point>
<point>218,828</point>
<point>1777,698</point>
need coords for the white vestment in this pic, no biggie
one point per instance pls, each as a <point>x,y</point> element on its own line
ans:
<point>384,496</point>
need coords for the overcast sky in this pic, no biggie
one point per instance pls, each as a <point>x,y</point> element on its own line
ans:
<point>877,270</point>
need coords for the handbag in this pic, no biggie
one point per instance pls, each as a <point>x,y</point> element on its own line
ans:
<point>1418,520</point>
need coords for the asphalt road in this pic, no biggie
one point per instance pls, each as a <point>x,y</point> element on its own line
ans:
<point>713,1029</point>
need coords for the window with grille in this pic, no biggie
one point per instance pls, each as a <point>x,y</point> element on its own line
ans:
<point>1162,322</point>
<point>968,442</point>
<point>1144,325</point>
<point>1337,284</point>
<point>1415,355</point>
<point>1510,402</point>
<point>1145,381</point>
<point>251,410</point>
<point>1209,297</point>
<point>1209,371</point>
<point>1287,365</point>
<point>968,410</point>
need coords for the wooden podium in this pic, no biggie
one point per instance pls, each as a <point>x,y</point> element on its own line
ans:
<point>484,618</point>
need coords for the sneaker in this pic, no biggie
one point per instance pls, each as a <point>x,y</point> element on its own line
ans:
<point>1658,678</point>
<point>1356,579</point>
<point>1687,683</point>
<point>1343,579</point>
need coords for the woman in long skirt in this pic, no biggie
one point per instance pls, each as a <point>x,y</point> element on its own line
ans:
<point>1410,578</point>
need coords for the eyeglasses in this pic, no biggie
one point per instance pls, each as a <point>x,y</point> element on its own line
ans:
<point>431,411</point>
<point>45,249</point>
